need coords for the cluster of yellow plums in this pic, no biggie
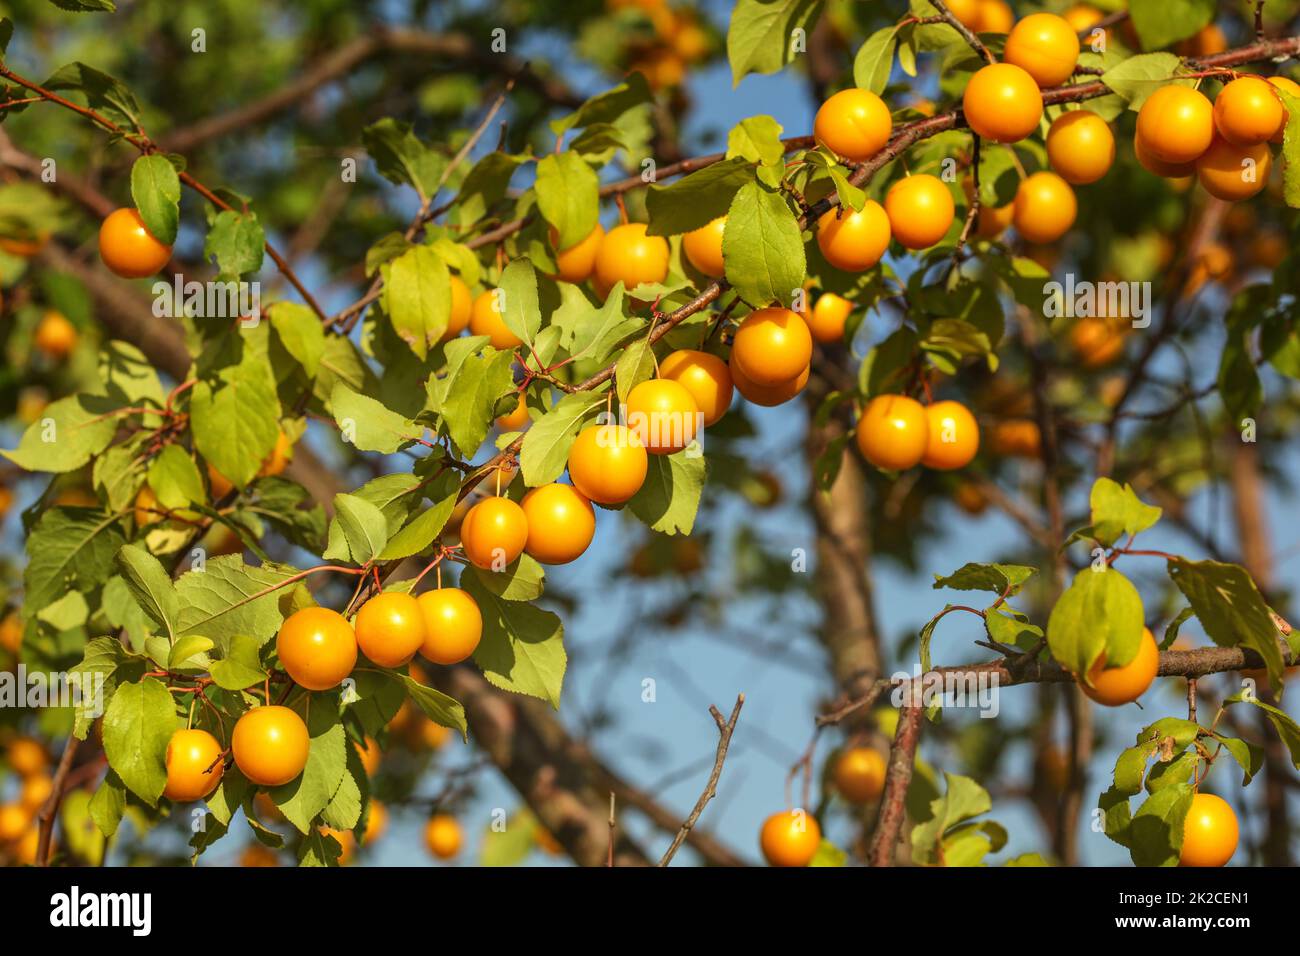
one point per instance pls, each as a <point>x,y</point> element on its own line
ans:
<point>19,831</point>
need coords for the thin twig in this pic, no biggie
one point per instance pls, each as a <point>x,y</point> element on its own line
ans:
<point>725,730</point>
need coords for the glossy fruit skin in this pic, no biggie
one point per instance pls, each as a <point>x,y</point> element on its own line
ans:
<point>1081,17</point>
<point>1247,111</point>
<point>920,210</point>
<point>1210,832</point>
<point>967,11</point>
<point>1176,124</point>
<point>1045,207</point>
<point>608,463</point>
<point>1017,438</point>
<point>1002,103</point>
<point>443,836</point>
<point>576,263</point>
<point>189,755</point>
<point>1081,147</point>
<point>270,745</point>
<point>486,320</point>
<point>26,757</point>
<point>953,436</point>
<point>128,248</point>
<point>663,414</point>
<point>859,774</point>
<point>453,625</point>
<point>854,124</point>
<point>55,336</point>
<point>1097,341</point>
<point>462,306</point>
<point>790,838</point>
<point>11,630</point>
<point>854,241</point>
<point>14,821</point>
<point>993,221</point>
<point>515,420</point>
<point>1114,686</point>
<point>772,346</point>
<point>371,754</point>
<point>1226,171</point>
<point>561,523</point>
<point>390,628</point>
<point>830,316</point>
<point>317,647</point>
<point>893,432</point>
<point>36,790</point>
<point>1159,167</point>
<point>993,16</point>
<point>705,376</point>
<point>147,508</point>
<point>627,254</point>
<point>767,395</point>
<point>1045,47</point>
<point>376,823</point>
<point>493,534</point>
<point>703,247</point>
<point>1291,88</point>
<point>278,460</point>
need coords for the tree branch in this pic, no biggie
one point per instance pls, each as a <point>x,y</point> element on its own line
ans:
<point>725,730</point>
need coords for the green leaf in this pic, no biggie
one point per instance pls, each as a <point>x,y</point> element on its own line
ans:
<point>484,186</point>
<point>1161,23</point>
<point>108,804</point>
<point>358,532</point>
<point>606,107</point>
<point>760,36</point>
<point>156,189</point>
<point>635,365</point>
<point>470,393</point>
<point>1230,608</point>
<point>963,799</point>
<point>698,199</point>
<point>229,598</point>
<point>152,588</point>
<point>107,661</point>
<point>757,139</point>
<point>301,334</point>
<point>175,479</point>
<point>401,158</point>
<point>421,532</point>
<point>68,434</point>
<point>103,93</point>
<point>1248,756</point>
<point>522,649</point>
<point>138,725</point>
<point>130,376</point>
<point>762,247</point>
<point>188,652</point>
<point>417,297</point>
<point>234,410</point>
<point>1282,722</point>
<point>567,195</point>
<point>69,548</point>
<point>522,581</point>
<point>545,450</point>
<point>369,425</point>
<point>1101,612</point>
<point>437,706</point>
<point>1156,833</point>
<point>302,798</point>
<point>875,60</point>
<point>1139,76</point>
<point>237,242</point>
<point>1291,149</point>
<point>997,578</point>
<point>1117,511</point>
<point>241,666</point>
<point>669,498</point>
<point>518,299</point>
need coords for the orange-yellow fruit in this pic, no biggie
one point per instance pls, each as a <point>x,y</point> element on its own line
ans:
<point>628,255</point>
<point>26,757</point>
<point>1233,173</point>
<point>1247,111</point>
<point>35,791</point>
<point>128,248</point>
<point>515,420</point>
<point>376,823</point>
<point>703,247</point>
<point>967,11</point>
<point>278,460</point>
<point>576,263</point>
<point>1017,438</point>
<point>14,821</point>
<point>993,220</point>
<point>1002,103</point>
<point>462,307</point>
<point>772,346</point>
<point>1045,207</point>
<point>953,436</point>
<point>608,463</point>
<point>1153,164</point>
<point>1080,146</point>
<point>453,625</point>
<point>256,855</point>
<point>1097,341</point>
<point>11,633</point>
<point>853,123</point>
<point>663,414</point>
<point>1114,686</point>
<point>1205,42</point>
<point>371,755</point>
<point>1081,17</point>
<point>1176,124</point>
<point>270,745</point>
<point>485,319</point>
<point>920,210</point>
<point>493,534</point>
<point>854,241</point>
<point>859,774</point>
<point>767,395</point>
<point>1210,832</point>
<point>561,523</point>
<point>390,628</point>
<point>194,765</point>
<point>317,647</point>
<point>893,432</point>
<point>790,838</point>
<point>994,16</point>
<point>1045,47</point>
<point>24,248</point>
<point>705,376</point>
<point>55,336</point>
<point>829,317</point>
<point>442,835</point>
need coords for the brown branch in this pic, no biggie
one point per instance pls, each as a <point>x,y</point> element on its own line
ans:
<point>967,34</point>
<point>725,730</point>
<point>898,777</point>
<point>50,809</point>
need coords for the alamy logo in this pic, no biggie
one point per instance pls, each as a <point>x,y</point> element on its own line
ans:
<point>1102,300</point>
<point>219,300</point>
<point>83,692</point>
<point>132,910</point>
